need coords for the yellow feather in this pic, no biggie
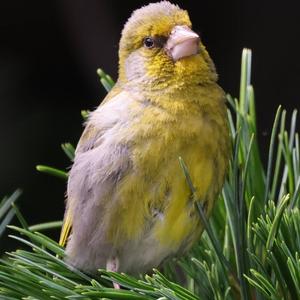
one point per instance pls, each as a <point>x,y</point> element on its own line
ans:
<point>66,229</point>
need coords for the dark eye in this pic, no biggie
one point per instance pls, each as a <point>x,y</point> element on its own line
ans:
<point>149,42</point>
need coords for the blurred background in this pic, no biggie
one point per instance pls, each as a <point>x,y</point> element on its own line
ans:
<point>49,53</point>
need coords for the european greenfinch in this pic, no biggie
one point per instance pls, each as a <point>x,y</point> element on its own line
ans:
<point>128,204</point>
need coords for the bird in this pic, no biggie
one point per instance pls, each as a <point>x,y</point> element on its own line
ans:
<point>128,205</point>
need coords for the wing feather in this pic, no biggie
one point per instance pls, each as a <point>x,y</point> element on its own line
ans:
<point>106,116</point>
<point>66,229</point>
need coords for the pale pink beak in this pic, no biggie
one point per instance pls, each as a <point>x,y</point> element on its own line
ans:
<point>183,42</point>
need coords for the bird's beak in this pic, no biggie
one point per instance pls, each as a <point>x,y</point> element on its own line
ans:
<point>182,42</point>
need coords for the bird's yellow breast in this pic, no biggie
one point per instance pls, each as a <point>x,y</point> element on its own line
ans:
<point>154,195</point>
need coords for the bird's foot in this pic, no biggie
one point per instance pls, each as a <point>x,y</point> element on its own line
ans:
<point>112,265</point>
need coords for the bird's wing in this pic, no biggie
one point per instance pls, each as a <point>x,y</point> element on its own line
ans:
<point>87,141</point>
<point>93,149</point>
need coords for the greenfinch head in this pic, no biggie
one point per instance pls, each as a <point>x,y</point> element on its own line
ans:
<point>158,46</point>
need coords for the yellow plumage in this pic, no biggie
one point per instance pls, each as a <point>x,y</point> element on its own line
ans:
<point>128,201</point>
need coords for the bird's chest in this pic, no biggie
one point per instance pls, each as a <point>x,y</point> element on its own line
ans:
<point>159,138</point>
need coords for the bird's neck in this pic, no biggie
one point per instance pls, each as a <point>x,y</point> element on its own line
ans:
<point>177,99</point>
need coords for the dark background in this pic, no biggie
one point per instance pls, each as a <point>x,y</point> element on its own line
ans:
<point>49,53</point>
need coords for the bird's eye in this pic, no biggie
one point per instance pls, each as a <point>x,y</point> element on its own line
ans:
<point>149,42</point>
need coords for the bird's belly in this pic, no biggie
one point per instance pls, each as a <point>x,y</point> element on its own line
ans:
<point>149,249</point>
<point>157,216</point>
